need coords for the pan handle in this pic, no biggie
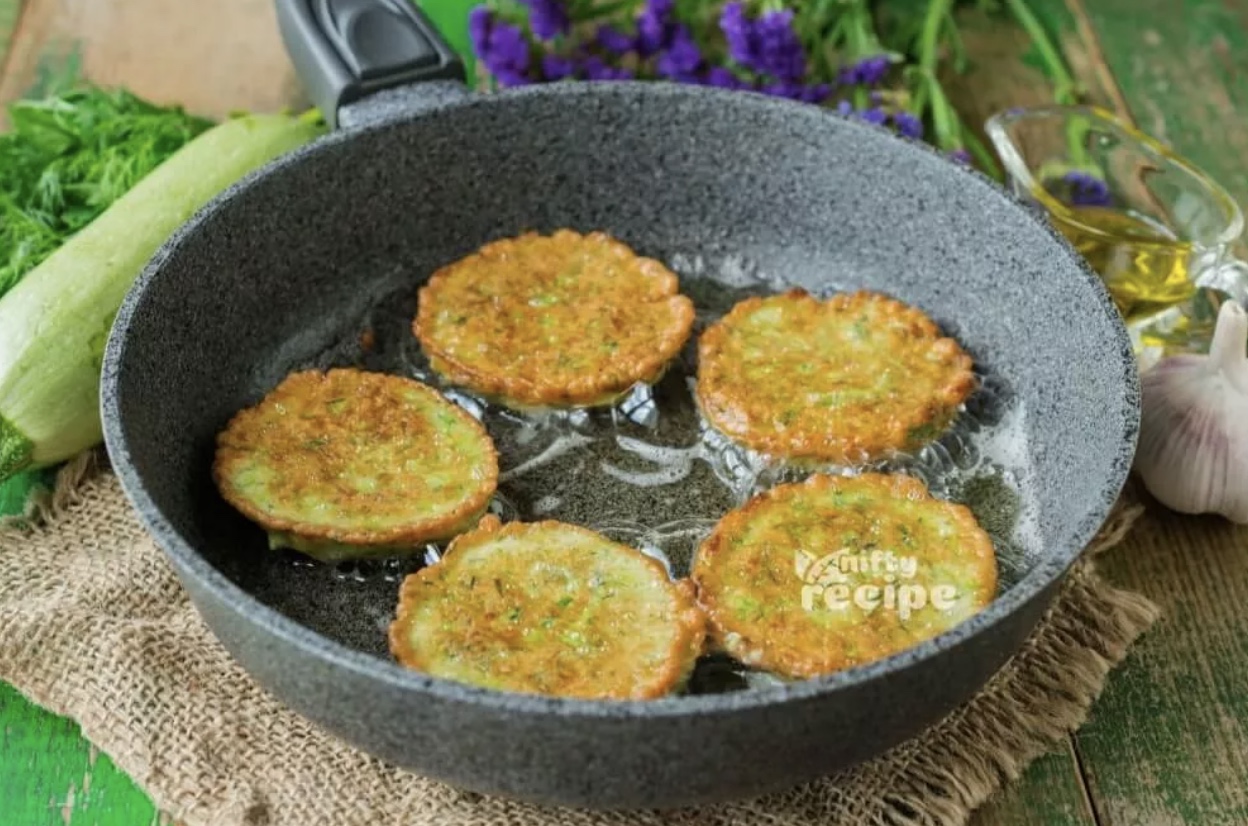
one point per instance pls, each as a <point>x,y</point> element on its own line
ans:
<point>346,50</point>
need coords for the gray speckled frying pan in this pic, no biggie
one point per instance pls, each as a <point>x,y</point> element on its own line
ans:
<point>739,193</point>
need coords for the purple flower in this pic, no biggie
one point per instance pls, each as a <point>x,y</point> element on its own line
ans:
<point>866,72</point>
<point>767,45</point>
<point>614,40</point>
<point>509,51</point>
<point>480,21</point>
<point>595,68</point>
<point>798,91</point>
<point>723,78</point>
<point>654,27</point>
<point>547,18</point>
<point>780,52</point>
<point>873,115</point>
<point>510,77</point>
<point>555,67</point>
<point>1086,190</point>
<point>959,155</point>
<point>501,47</point>
<point>817,93</point>
<point>908,125</point>
<point>782,89</point>
<point>682,59</point>
<point>738,32</point>
<point>661,9</point>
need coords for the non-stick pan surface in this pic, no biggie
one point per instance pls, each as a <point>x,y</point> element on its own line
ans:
<point>740,193</point>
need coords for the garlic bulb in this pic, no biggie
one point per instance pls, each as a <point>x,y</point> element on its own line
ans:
<point>1193,448</point>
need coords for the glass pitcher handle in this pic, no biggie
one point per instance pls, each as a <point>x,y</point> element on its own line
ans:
<point>1229,276</point>
<point>1188,327</point>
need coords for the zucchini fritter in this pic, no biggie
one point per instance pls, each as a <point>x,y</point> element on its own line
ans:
<point>351,464</point>
<point>565,320</point>
<point>848,380</point>
<point>549,608</point>
<point>821,575</point>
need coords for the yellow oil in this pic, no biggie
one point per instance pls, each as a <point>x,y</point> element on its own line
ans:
<point>1143,264</point>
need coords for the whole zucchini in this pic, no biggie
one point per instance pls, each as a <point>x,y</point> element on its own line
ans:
<point>55,322</point>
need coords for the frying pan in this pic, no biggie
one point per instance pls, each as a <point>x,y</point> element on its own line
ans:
<point>284,270</point>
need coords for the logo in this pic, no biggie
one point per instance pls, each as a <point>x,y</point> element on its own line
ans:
<point>869,580</point>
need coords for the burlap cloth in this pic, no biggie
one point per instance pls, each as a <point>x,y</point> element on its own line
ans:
<point>94,625</point>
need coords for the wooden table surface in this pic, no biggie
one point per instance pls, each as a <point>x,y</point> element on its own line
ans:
<point>1167,743</point>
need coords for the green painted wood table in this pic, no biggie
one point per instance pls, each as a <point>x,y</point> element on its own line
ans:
<point>1167,743</point>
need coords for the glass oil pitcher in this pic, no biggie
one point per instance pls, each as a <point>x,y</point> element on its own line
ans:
<point>1156,228</point>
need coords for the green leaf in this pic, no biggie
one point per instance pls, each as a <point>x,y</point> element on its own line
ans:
<point>15,492</point>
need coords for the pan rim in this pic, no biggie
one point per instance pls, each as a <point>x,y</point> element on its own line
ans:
<point>1045,575</point>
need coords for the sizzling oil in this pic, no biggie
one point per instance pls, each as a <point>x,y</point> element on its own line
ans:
<point>649,473</point>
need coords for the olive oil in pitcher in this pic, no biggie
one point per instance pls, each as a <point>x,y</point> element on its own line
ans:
<point>1143,263</point>
<point>1154,227</point>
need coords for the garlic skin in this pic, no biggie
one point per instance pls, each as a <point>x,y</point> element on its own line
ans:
<point>1193,447</point>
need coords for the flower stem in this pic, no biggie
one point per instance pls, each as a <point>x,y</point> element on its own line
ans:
<point>983,157</point>
<point>944,119</point>
<point>862,39</point>
<point>929,37</point>
<point>1065,90</point>
<point>960,57</point>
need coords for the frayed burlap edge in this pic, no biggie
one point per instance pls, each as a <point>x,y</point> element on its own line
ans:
<point>43,505</point>
<point>940,777</point>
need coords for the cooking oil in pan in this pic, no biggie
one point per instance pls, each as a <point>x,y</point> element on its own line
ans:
<point>648,472</point>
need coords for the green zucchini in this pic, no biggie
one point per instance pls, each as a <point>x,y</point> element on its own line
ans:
<point>55,321</point>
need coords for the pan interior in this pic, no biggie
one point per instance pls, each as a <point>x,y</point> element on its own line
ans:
<point>646,472</point>
<point>289,270</point>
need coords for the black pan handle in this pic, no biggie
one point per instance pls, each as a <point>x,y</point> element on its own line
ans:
<point>345,50</point>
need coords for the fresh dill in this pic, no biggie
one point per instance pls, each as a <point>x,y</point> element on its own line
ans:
<point>70,155</point>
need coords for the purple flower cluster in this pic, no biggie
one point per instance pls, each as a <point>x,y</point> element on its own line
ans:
<point>589,67</point>
<point>1086,190</point>
<point>765,53</point>
<point>654,27</point>
<point>767,45</point>
<point>547,18</point>
<point>904,122</point>
<point>682,59</point>
<point>502,47</point>
<point>869,71</point>
<point>595,68</point>
<point>507,54</point>
<point>614,41</point>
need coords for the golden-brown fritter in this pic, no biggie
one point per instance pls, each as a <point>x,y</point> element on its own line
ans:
<point>351,464</point>
<point>549,608</point>
<point>817,576</point>
<point>849,380</point>
<point>565,320</point>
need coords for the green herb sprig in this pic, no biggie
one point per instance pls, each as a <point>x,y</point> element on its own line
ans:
<point>67,157</point>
